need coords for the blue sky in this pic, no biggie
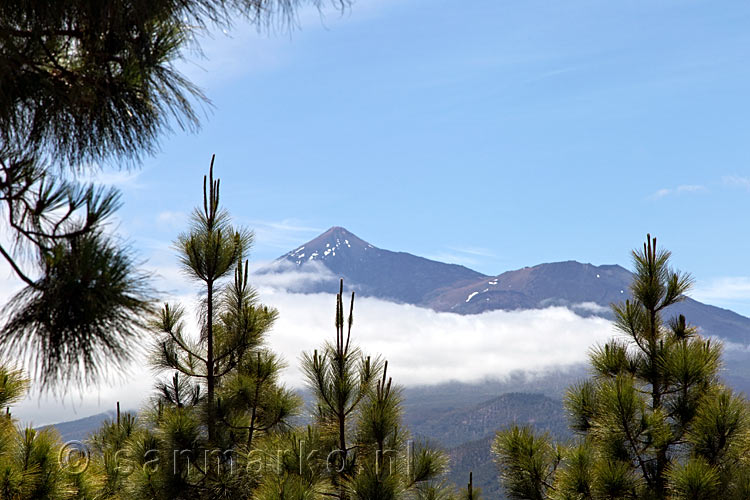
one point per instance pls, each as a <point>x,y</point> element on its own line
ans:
<point>490,133</point>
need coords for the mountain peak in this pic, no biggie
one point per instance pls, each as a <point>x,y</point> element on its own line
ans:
<point>338,229</point>
<point>325,247</point>
<point>341,233</point>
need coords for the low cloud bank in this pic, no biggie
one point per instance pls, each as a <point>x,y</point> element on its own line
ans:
<point>282,276</point>
<point>422,346</point>
<point>427,347</point>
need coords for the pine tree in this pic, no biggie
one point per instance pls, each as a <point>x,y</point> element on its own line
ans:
<point>196,437</point>
<point>109,453</point>
<point>364,451</point>
<point>210,251</point>
<point>240,444</point>
<point>340,378</point>
<point>472,492</point>
<point>654,422</point>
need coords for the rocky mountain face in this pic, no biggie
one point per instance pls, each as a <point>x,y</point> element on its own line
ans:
<point>586,289</point>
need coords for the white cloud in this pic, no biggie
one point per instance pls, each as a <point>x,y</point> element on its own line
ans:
<point>244,49</point>
<point>478,251</point>
<point>454,258</point>
<point>468,256</point>
<point>425,347</point>
<point>732,287</point>
<point>171,218</point>
<point>591,307</point>
<point>690,188</point>
<point>661,193</point>
<point>285,226</point>
<point>287,276</point>
<point>231,55</point>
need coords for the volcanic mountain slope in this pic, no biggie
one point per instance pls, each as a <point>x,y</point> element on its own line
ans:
<point>372,271</point>
<point>584,288</point>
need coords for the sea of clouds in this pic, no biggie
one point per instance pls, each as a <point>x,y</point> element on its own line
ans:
<point>422,346</point>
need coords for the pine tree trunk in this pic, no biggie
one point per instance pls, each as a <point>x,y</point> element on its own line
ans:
<point>656,393</point>
<point>210,359</point>
<point>253,415</point>
<point>342,445</point>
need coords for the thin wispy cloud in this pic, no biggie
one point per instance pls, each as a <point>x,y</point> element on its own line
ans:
<point>461,259</point>
<point>172,219</point>
<point>590,307</point>
<point>284,234</point>
<point>682,189</point>
<point>545,75</point>
<point>287,225</point>
<point>229,54</point>
<point>478,251</point>
<point>737,181</point>
<point>469,256</point>
<point>732,292</point>
<point>120,179</point>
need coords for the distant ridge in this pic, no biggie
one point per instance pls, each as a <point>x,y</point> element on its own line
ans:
<point>586,289</point>
<point>80,429</point>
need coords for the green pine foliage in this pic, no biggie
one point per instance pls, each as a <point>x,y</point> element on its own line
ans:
<point>225,392</point>
<point>34,464</point>
<point>654,421</point>
<point>79,318</point>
